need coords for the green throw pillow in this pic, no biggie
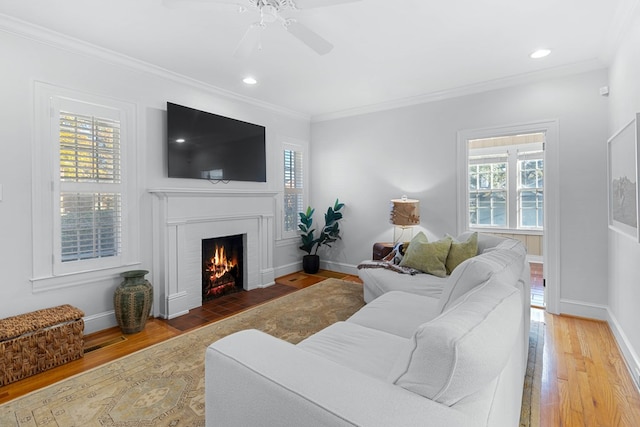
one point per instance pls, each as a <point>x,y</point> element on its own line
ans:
<point>427,257</point>
<point>461,251</point>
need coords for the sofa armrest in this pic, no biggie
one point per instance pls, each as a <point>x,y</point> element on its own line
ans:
<point>255,379</point>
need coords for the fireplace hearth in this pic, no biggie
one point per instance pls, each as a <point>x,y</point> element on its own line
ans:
<point>222,259</point>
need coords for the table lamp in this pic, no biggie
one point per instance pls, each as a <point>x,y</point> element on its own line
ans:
<point>404,214</point>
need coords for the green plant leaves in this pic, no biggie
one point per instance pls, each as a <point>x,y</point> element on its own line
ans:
<point>328,234</point>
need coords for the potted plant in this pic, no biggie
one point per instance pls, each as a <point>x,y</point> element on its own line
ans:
<point>328,234</point>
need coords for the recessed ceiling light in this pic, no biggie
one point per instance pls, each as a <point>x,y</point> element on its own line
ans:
<point>540,53</point>
<point>249,80</point>
<point>180,140</point>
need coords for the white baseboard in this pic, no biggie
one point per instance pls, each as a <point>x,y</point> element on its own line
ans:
<point>339,267</point>
<point>177,305</point>
<point>99,321</point>
<point>268,277</point>
<point>584,309</point>
<point>628,353</point>
<point>283,270</point>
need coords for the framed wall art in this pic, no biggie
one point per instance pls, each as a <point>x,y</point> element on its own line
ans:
<point>623,179</point>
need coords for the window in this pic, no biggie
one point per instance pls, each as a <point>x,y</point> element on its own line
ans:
<point>530,190</point>
<point>90,187</point>
<point>506,182</point>
<point>488,192</point>
<point>84,187</point>
<point>295,191</point>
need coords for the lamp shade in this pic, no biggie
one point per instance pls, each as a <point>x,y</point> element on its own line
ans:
<point>405,212</point>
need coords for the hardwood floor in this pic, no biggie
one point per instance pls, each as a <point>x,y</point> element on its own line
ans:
<point>110,344</point>
<point>584,381</point>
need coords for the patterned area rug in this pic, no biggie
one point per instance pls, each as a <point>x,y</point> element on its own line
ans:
<point>530,413</point>
<point>163,385</point>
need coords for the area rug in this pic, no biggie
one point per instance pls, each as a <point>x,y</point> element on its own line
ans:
<point>530,413</point>
<point>163,385</point>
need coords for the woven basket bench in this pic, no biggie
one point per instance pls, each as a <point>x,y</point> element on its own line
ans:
<point>34,342</point>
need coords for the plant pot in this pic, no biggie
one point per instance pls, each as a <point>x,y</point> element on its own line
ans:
<point>132,301</point>
<point>311,264</point>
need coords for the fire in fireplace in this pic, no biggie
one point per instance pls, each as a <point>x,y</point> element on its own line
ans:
<point>221,266</point>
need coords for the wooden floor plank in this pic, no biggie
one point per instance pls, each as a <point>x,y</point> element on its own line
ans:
<point>589,369</point>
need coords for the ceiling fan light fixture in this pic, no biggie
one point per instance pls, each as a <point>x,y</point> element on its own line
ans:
<point>540,53</point>
<point>250,80</point>
<point>268,14</point>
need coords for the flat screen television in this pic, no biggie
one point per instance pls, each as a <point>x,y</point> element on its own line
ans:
<point>208,146</point>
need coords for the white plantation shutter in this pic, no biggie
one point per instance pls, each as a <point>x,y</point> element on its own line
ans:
<point>90,225</point>
<point>90,187</point>
<point>293,189</point>
<point>295,183</point>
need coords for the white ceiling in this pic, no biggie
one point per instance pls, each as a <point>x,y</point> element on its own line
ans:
<point>385,51</point>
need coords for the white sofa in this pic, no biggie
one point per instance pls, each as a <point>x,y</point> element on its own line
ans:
<point>402,360</point>
<point>378,281</point>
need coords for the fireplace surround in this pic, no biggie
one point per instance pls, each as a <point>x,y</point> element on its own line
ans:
<point>182,218</point>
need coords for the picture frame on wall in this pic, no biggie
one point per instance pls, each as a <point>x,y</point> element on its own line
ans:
<point>623,180</point>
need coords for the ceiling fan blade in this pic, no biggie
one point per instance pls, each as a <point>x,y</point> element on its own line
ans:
<point>250,41</point>
<point>310,4</point>
<point>215,5</point>
<point>308,37</point>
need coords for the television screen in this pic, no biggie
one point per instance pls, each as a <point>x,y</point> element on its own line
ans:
<point>208,146</point>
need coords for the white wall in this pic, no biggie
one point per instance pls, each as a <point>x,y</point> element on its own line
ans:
<point>76,67</point>
<point>624,253</point>
<point>366,160</point>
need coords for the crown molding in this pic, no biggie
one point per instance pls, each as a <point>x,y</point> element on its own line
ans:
<point>521,79</point>
<point>57,40</point>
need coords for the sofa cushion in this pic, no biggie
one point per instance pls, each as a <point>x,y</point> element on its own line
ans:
<point>396,312</point>
<point>485,241</point>
<point>508,258</point>
<point>505,261</point>
<point>465,348</point>
<point>378,281</point>
<point>427,257</point>
<point>465,277</point>
<point>461,251</point>
<point>362,349</point>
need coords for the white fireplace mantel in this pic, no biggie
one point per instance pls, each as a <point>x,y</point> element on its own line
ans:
<point>182,217</point>
<point>210,192</point>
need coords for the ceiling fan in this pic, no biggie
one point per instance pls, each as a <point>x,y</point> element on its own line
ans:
<point>270,11</point>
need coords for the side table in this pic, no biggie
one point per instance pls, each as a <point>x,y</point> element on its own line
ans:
<point>381,250</point>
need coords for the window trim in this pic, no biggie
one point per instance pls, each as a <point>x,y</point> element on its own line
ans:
<point>293,145</point>
<point>551,242</point>
<point>48,273</point>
